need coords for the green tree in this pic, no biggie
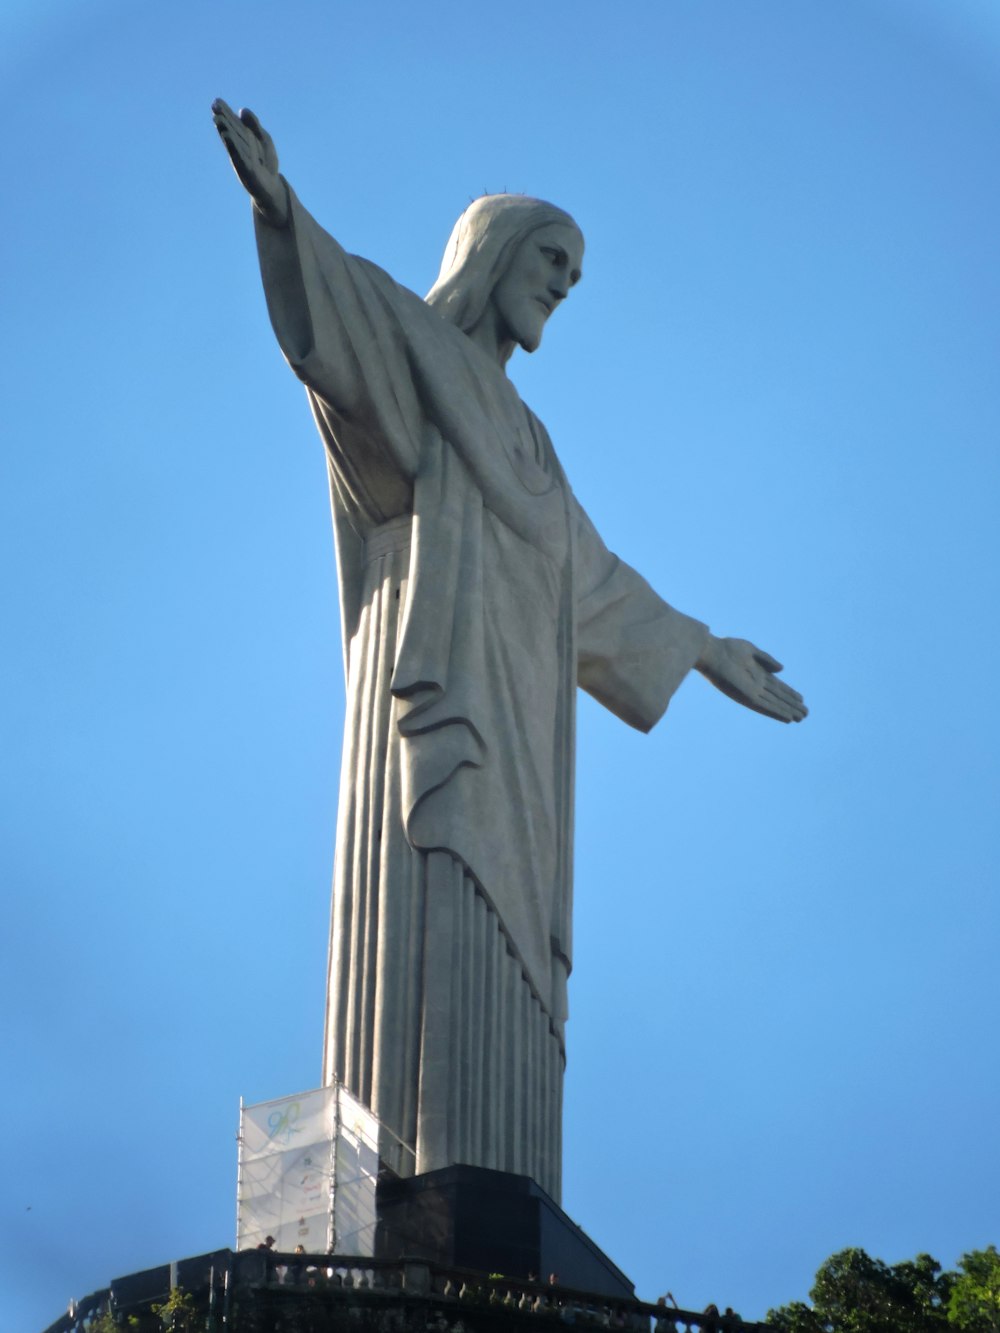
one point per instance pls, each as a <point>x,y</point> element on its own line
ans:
<point>974,1305</point>
<point>854,1293</point>
<point>105,1323</point>
<point>797,1317</point>
<point>178,1313</point>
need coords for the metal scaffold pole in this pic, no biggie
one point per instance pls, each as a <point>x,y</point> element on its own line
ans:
<point>331,1234</point>
<point>239,1173</point>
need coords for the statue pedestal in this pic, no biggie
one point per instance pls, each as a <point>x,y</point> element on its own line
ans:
<point>491,1222</point>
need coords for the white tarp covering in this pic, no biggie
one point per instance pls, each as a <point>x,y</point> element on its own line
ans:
<point>355,1176</point>
<point>308,1170</point>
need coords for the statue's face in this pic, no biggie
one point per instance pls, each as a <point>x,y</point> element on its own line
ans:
<point>545,266</point>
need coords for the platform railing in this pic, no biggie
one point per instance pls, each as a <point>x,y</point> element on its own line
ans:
<point>446,1298</point>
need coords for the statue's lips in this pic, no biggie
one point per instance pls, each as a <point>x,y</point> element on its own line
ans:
<point>545,305</point>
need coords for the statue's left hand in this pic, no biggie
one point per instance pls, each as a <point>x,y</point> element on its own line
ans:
<point>748,675</point>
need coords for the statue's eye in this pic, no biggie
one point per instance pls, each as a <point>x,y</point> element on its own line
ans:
<point>558,257</point>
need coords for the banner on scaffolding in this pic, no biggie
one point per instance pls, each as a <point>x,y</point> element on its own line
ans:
<point>307,1174</point>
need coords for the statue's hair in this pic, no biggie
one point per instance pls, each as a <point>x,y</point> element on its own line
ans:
<point>482,244</point>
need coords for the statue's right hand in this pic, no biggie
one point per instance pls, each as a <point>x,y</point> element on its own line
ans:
<point>254,157</point>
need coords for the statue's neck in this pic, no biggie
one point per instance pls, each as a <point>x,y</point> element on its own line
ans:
<point>491,335</point>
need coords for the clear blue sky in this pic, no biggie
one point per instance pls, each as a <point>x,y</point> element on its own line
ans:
<point>777,393</point>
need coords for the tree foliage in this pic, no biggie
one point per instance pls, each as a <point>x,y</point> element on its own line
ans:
<point>974,1304</point>
<point>854,1293</point>
<point>178,1313</point>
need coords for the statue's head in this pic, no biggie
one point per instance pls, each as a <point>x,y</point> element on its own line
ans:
<point>510,259</point>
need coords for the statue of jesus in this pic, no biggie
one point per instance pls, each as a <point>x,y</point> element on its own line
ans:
<point>475,596</point>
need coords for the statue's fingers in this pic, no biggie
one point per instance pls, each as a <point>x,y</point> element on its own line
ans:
<point>250,119</point>
<point>231,147</point>
<point>233,133</point>
<point>787,701</point>
<point>782,713</point>
<point>252,123</point>
<point>241,156</point>
<point>226,119</point>
<point>235,147</point>
<point>783,690</point>
<point>794,712</point>
<point>767,661</point>
<point>773,711</point>
<point>786,698</point>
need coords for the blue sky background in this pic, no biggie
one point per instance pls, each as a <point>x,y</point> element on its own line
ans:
<point>775,391</point>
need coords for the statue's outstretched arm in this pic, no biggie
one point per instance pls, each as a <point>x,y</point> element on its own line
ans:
<point>748,675</point>
<point>255,160</point>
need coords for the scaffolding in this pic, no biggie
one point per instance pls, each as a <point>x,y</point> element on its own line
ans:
<point>308,1170</point>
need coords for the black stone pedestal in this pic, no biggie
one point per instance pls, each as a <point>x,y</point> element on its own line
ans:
<point>493,1222</point>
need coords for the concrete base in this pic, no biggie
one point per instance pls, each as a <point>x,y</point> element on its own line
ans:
<point>492,1222</point>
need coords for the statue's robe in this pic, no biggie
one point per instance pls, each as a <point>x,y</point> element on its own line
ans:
<point>475,596</point>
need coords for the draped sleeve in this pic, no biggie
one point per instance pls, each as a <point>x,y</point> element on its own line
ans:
<point>339,320</point>
<point>633,649</point>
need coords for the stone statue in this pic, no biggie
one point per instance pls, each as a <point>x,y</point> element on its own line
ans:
<point>475,596</point>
